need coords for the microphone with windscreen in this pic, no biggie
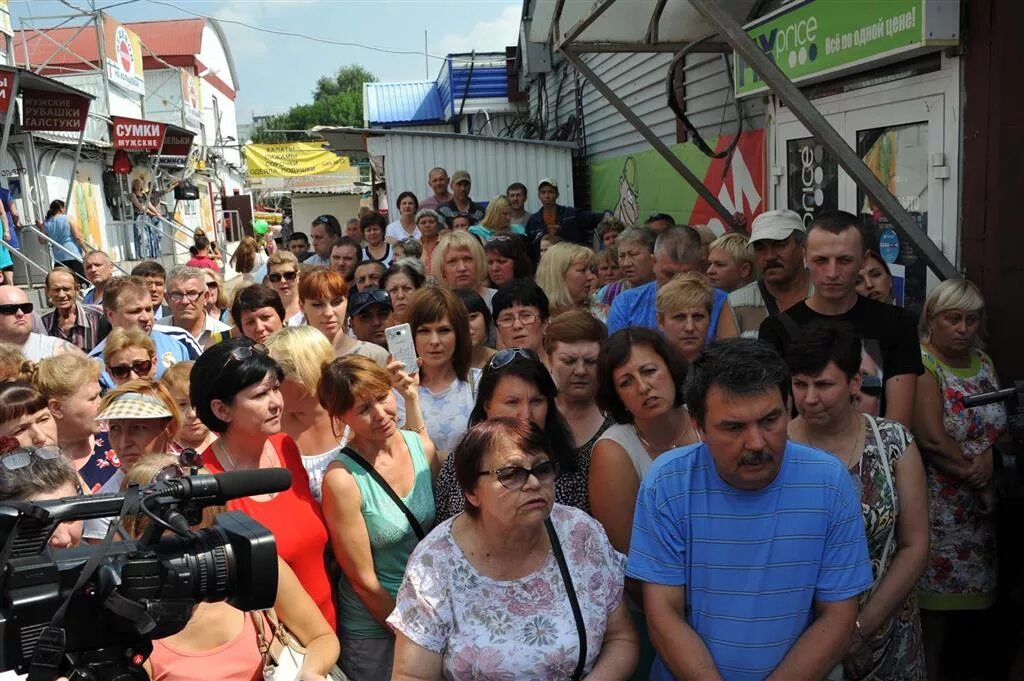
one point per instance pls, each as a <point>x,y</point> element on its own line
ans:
<point>222,487</point>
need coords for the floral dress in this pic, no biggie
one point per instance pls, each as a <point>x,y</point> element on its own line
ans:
<point>961,569</point>
<point>897,649</point>
<point>514,630</point>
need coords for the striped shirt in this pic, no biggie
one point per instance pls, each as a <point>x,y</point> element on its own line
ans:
<point>753,562</point>
<point>87,330</point>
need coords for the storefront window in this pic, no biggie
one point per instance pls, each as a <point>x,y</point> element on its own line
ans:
<point>898,155</point>
<point>813,179</point>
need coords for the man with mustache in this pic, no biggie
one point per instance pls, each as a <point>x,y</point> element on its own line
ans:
<point>777,238</point>
<point>750,548</point>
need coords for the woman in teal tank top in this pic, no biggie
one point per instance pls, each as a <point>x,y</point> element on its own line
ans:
<point>371,534</point>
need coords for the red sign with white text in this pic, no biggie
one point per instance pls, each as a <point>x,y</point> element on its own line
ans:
<point>133,134</point>
<point>53,111</point>
<point>6,89</point>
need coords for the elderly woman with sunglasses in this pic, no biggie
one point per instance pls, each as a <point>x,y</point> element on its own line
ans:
<point>235,387</point>
<point>488,594</point>
<point>824,362</point>
<point>129,355</point>
<point>516,384</point>
<point>283,277</point>
<point>377,500</point>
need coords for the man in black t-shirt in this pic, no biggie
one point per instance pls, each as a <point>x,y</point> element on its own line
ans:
<point>835,253</point>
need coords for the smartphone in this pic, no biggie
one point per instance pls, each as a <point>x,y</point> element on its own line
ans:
<point>402,347</point>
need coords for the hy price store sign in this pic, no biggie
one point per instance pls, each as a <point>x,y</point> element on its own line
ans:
<point>814,40</point>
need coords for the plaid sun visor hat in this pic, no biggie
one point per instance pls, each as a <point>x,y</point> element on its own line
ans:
<point>135,406</point>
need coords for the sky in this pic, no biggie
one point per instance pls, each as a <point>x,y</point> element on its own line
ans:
<point>276,72</point>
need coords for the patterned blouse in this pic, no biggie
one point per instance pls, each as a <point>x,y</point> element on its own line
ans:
<point>519,629</point>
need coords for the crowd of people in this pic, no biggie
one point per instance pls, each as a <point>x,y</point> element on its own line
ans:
<point>624,452</point>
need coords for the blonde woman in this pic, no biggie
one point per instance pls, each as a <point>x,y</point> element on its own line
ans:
<point>497,220</point>
<point>283,277</point>
<point>731,262</point>
<point>129,354</point>
<point>217,304</point>
<point>683,310</point>
<point>459,262</point>
<point>71,386</point>
<point>562,274</point>
<point>301,352</point>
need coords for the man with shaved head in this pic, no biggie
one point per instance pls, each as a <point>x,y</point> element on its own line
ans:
<point>16,327</point>
<point>437,178</point>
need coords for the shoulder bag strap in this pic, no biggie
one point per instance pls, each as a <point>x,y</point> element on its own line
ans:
<point>768,298</point>
<point>884,456</point>
<point>581,627</point>
<point>416,527</point>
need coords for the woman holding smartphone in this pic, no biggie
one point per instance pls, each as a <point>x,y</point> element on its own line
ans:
<point>440,330</point>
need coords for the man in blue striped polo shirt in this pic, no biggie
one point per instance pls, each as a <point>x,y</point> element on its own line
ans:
<point>751,549</point>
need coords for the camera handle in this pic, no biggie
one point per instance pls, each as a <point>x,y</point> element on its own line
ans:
<point>109,664</point>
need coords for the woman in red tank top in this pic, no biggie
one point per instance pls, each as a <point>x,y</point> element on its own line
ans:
<point>235,388</point>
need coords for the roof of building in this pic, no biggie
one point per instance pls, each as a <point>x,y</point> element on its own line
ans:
<point>166,39</point>
<point>411,102</point>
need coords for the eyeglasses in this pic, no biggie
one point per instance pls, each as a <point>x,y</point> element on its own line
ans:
<point>504,357</point>
<point>19,458</point>
<point>141,367</point>
<point>190,296</point>
<point>212,285</point>
<point>524,318</point>
<point>276,277</point>
<point>13,308</point>
<point>514,477</point>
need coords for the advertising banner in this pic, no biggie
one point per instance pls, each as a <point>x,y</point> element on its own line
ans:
<point>177,143</point>
<point>299,166</point>
<point>5,19</point>
<point>133,134</point>
<point>123,53</point>
<point>53,111</point>
<point>6,90</point>
<point>814,39</point>
<point>191,104</point>
<point>643,183</point>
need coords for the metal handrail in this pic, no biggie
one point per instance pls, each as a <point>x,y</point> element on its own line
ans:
<point>53,243</point>
<point>27,260</point>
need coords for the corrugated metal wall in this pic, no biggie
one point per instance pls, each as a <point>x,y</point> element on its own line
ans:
<point>639,79</point>
<point>493,164</point>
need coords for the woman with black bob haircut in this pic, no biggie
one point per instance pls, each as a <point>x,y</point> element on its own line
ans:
<point>481,330</point>
<point>400,281</point>
<point>235,387</point>
<point>516,384</point>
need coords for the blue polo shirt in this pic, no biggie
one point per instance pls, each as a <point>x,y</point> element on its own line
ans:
<point>635,307</point>
<point>753,562</point>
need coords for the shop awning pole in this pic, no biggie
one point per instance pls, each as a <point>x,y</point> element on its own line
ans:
<point>9,118</point>
<point>652,138</point>
<point>824,133</point>
<point>74,167</point>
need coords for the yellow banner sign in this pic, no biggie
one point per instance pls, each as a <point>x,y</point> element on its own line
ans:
<point>295,159</point>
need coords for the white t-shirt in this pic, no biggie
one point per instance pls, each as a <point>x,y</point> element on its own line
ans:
<point>397,232</point>
<point>39,347</point>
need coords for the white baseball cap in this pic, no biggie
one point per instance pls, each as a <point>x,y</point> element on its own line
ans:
<point>776,225</point>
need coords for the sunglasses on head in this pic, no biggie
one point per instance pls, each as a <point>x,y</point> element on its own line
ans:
<point>14,308</point>
<point>375,295</point>
<point>514,477</point>
<point>505,357</point>
<point>244,352</point>
<point>189,463</point>
<point>141,368</point>
<point>276,277</point>
<point>19,458</point>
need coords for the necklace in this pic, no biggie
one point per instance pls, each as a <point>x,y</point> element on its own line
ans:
<point>856,450</point>
<point>224,451</point>
<point>656,450</point>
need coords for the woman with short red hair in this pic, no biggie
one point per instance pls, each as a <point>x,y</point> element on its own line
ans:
<point>323,296</point>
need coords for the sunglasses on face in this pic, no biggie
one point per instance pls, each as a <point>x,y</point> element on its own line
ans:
<point>276,277</point>
<point>514,477</point>
<point>14,308</point>
<point>19,458</point>
<point>140,367</point>
<point>504,357</point>
<point>212,285</point>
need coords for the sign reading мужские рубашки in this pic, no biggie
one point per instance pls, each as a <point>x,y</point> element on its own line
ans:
<point>817,39</point>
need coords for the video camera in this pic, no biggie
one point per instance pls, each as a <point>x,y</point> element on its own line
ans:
<point>91,612</point>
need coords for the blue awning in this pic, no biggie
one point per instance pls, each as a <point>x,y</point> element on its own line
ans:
<point>398,103</point>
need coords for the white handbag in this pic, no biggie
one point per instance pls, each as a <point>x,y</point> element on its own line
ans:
<point>283,655</point>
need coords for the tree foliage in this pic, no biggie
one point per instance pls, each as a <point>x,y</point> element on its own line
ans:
<point>337,100</point>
